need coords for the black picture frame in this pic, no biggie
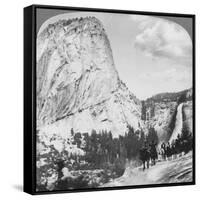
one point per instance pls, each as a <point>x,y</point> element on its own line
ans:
<point>30,96</point>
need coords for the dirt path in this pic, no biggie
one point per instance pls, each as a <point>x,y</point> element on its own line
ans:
<point>179,170</point>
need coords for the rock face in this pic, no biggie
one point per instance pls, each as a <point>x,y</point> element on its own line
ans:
<point>77,84</point>
<point>161,119</point>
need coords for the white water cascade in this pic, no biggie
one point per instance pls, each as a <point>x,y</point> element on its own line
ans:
<point>179,123</point>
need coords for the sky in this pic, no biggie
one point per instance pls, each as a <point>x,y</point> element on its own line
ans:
<point>151,54</point>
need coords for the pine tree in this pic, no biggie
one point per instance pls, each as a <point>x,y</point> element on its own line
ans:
<point>152,136</point>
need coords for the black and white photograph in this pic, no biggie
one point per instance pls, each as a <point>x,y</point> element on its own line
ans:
<point>114,100</point>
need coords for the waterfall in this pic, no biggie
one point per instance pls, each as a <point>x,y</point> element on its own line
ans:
<point>179,123</point>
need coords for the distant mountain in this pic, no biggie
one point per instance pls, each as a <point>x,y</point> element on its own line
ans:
<point>171,96</point>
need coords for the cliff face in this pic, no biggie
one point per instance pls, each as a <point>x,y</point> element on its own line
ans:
<point>164,114</point>
<point>77,84</point>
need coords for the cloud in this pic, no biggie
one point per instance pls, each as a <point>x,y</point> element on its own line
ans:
<point>159,38</point>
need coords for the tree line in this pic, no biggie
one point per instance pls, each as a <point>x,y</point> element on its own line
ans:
<point>103,151</point>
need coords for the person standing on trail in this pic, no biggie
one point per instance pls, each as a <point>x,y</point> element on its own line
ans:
<point>168,151</point>
<point>153,152</point>
<point>163,151</point>
<point>173,150</point>
<point>178,144</point>
<point>145,155</point>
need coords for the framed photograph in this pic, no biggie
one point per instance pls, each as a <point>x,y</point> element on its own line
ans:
<point>109,99</point>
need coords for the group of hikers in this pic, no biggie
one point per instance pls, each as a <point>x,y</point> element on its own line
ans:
<point>147,153</point>
<point>167,151</point>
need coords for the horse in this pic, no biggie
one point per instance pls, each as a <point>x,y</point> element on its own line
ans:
<point>145,157</point>
<point>153,153</point>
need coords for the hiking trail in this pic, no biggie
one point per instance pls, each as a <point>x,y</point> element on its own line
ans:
<point>174,171</point>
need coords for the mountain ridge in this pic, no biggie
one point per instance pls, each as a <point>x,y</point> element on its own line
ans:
<point>172,95</point>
